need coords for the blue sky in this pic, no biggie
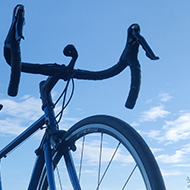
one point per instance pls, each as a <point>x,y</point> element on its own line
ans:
<point>98,30</point>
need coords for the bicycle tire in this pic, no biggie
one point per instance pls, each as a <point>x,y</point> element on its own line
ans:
<point>126,135</point>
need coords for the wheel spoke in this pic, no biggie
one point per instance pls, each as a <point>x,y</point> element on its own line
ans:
<point>100,159</point>
<point>81,157</point>
<point>59,178</point>
<point>129,177</point>
<point>109,164</point>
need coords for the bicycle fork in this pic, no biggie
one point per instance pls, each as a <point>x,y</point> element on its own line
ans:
<point>49,166</point>
<point>71,170</point>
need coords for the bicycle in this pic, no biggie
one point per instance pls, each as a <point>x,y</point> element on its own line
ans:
<point>56,143</point>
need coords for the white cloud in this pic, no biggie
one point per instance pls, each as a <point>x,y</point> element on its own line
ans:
<point>153,114</point>
<point>182,165</point>
<point>162,97</point>
<point>172,131</point>
<point>17,115</point>
<point>178,157</point>
<point>178,129</point>
<point>154,134</point>
<point>156,150</point>
<point>171,173</point>
<point>27,108</point>
<point>135,124</point>
<point>10,127</point>
<point>165,97</point>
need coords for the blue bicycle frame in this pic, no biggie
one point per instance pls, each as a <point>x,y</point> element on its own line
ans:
<point>44,156</point>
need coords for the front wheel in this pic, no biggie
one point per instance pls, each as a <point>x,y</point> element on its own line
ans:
<point>107,153</point>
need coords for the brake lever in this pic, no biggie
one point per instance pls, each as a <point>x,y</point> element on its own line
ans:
<point>145,46</point>
<point>129,55</point>
<point>12,48</point>
<point>70,51</point>
<point>16,29</point>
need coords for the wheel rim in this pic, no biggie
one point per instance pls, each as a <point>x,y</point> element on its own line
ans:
<point>143,173</point>
<point>113,154</point>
